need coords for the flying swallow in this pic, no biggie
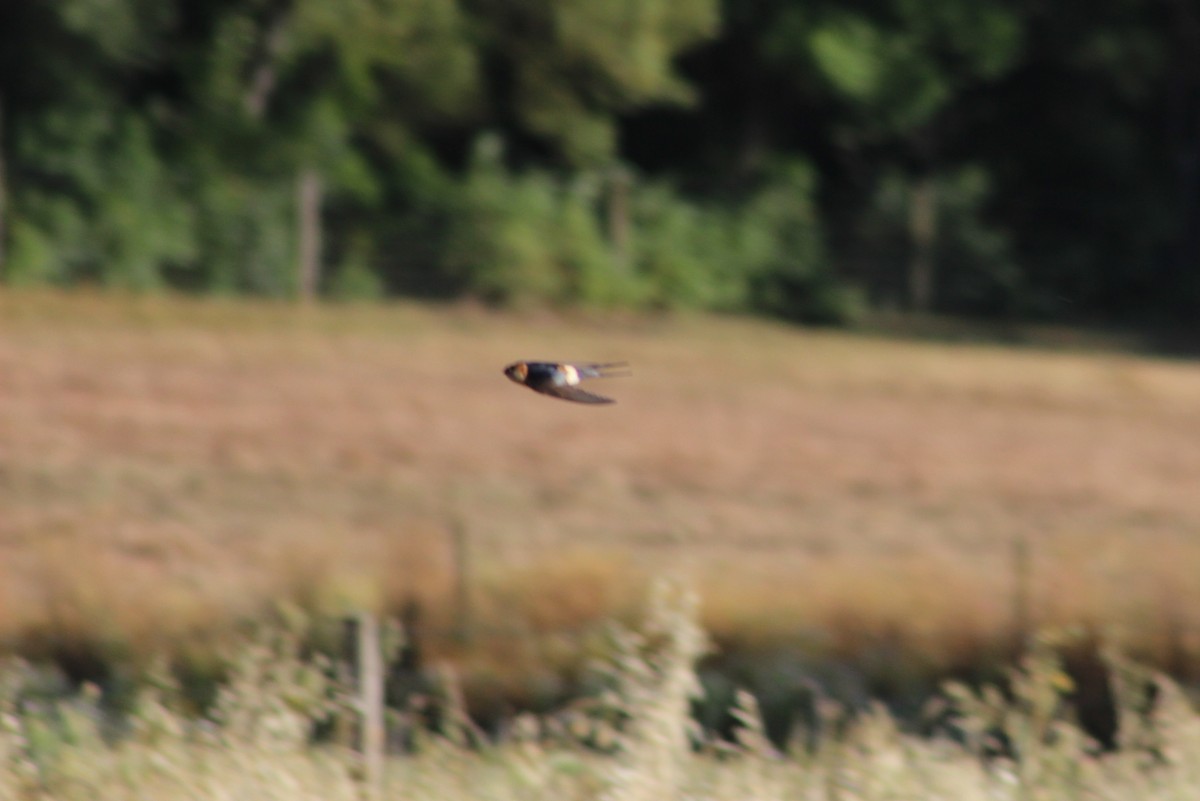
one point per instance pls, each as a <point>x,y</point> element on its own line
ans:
<point>561,379</point>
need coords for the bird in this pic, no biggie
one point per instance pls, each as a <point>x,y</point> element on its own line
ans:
<point>561,379</point>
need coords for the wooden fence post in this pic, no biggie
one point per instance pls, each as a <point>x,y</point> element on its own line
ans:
<point>308,223</point>
<point>1022,621</point>
<point>371,739</point>
<point>463,613</point>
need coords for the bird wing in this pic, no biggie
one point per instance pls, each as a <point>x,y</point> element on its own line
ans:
<point>575,394</point>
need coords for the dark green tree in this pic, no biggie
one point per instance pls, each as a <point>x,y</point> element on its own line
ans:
<point>86,192</point>
<point>895,72</point>
<point>560,71</point>
<point>296,91</point>
<point>1094,144</point>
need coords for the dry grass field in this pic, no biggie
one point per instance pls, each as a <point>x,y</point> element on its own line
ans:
<point>168,465</point>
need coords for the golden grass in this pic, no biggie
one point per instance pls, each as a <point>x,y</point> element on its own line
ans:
<point>167,465</point>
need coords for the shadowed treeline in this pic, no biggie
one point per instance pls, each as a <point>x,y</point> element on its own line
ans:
<point>802,158</point>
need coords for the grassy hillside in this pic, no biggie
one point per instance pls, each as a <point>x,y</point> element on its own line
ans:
<point>167,466</point>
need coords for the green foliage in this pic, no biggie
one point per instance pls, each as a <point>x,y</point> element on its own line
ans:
<point>594,274</point>
<point>901,65</point>
<point>979,270</point>
<point>422,48</point>
<point>144,226</point>
<point>121,31</point>
<point>148,144</point>
<point>245,228</point>
<point>975,268</point>
<point>781,241</point>
<point>356,281</point>
<point>573,65</point>
<point>682,252</point>
<point>122,219</point>
<point>501,244</point>
<point>533,238</point>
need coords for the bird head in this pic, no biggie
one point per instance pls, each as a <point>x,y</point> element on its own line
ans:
<point>517,371</point>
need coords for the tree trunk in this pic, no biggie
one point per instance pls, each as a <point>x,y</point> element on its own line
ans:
<point>618,215</point>
<point>922,230</point>
<point>264,75</point>
<point>308,222</point>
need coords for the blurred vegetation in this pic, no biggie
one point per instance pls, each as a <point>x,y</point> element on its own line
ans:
<point>803,158</point>
<point>282,725</point>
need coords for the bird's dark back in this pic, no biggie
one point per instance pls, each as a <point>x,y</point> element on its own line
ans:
<point>541,373</point>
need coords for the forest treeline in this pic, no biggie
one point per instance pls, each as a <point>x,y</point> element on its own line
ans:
<point>805,158</point>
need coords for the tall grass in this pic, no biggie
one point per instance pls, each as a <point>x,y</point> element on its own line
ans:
<point>636,741</point>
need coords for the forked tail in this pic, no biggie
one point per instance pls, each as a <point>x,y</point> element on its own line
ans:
<point>607,370</point>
